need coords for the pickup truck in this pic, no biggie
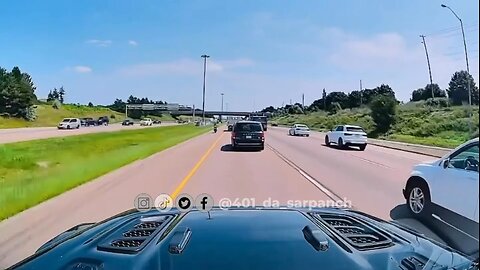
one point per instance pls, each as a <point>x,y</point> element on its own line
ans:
<point>88,121</point>
<point>103,120</point>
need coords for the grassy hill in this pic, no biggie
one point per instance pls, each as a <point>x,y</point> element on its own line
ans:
<point>415,123</point>
<point>48,116</point>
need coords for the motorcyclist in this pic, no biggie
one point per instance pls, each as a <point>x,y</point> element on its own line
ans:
<point>215,127</point>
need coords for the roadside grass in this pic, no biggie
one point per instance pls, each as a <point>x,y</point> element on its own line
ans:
<point>415,123</point>
<point>48,116</point>
<point>34,171</point>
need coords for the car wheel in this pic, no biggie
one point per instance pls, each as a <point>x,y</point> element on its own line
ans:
<point>308,135</point>
<point>78,126</point>
<point>327,141</point>
<point>340,143</point>
<point>362,147</point>
<point>68,127</point>
<point>418,199</point>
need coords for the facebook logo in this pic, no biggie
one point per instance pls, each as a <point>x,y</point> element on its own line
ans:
<point>204,202</point>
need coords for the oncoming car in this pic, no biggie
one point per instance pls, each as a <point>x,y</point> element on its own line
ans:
<point>146,122</point>
<point>299,130</point>
<point>449,184</point>
<point>248,134</point>
<point>69,123</point>
<point>347,135</point>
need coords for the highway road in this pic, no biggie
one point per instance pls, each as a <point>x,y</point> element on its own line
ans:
<point>290,168</point>
<point>26,134</point>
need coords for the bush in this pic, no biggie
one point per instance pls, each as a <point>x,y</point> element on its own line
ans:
<point>112,116</point>
<point>56,104</point>
<point>383,112</point>
<point>438,102</point>
<point>31,113</point>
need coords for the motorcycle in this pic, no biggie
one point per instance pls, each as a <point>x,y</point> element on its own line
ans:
<point>214,129</point>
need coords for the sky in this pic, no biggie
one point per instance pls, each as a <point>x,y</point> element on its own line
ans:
<point>263,53</point>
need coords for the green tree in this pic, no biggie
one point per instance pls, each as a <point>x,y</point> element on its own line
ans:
<point>61,94</point>
<point>383,111</point>
<point>17,92</point>
<point>90,104</point>
<point>354,99</point>
<point>458,88</point>
<point>426,92</point>
<point>339,97</point>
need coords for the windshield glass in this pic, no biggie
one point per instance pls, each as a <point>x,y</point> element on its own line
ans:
<point>246,127</point>
<point>355,129</point>
<point>318,119</point>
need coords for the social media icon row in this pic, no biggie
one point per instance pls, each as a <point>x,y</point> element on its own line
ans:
<point>183,202</point>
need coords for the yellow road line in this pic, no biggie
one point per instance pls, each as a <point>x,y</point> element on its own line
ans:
<point>195,168</point>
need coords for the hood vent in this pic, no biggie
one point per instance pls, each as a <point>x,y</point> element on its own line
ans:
<point>135,235</point>
<point>357,233</point>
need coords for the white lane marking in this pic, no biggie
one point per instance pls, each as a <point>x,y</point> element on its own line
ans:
<point>311,179</point>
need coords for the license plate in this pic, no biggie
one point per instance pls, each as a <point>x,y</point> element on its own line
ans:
<point>248,137</point>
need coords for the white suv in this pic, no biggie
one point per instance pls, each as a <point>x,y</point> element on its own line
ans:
<point>69,123</point>
<point>347,135</point>
<point>299,130</point>
<point>450,183</point>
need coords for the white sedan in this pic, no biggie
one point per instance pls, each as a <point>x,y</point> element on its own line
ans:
<point>448,185</point>
<point>347,135</point>
<point>146,122</point>
<point>299,130</point>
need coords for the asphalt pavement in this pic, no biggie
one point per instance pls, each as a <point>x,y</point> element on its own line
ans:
<point>289,169</point>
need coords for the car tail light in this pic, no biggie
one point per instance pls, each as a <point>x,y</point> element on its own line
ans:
<point>347,134</point>
<point>233,135</point>
<point>262,135</point>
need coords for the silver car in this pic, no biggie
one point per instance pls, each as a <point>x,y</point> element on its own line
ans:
<point>69,123</point>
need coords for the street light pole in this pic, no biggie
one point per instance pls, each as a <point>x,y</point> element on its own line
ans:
<point>204,80</point>
<point>468,67</point>
<point>221,116</point>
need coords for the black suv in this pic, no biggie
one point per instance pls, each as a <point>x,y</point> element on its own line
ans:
<point>88,121</point>
<point>248,134</point>
<point>103,120</point>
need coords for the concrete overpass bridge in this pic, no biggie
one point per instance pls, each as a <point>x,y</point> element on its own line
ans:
<point>209,113</point>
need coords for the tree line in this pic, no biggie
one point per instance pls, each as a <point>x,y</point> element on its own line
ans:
<point>119,106</point>
<point>456,93</point>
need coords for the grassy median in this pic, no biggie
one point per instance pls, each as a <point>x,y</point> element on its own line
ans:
<point>34,171</point>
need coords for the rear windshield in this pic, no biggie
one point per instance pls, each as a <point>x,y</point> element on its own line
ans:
<point>248,127</point>
<point>259,118</point>
<point>301,126</point>
<point>355,129</point>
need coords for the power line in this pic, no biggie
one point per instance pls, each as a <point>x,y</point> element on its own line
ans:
<point>471,27</point>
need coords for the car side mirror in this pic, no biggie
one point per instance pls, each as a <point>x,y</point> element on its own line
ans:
<point>446,162</point>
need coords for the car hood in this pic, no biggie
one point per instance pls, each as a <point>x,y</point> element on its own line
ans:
<point>242,239</point>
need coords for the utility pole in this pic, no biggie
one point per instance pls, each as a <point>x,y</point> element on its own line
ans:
<point>303,101</point>
<point>361,94</point>
<point>126,111</point>
<point>204,80</point>
<point>428,62</point>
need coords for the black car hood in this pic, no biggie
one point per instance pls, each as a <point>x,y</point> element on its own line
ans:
<point>242,239</point>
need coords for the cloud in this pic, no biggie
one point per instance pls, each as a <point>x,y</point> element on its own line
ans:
<point>132,43</point>
<point>185,66</point>
<point>99,43</point>
<point>82,69</point>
